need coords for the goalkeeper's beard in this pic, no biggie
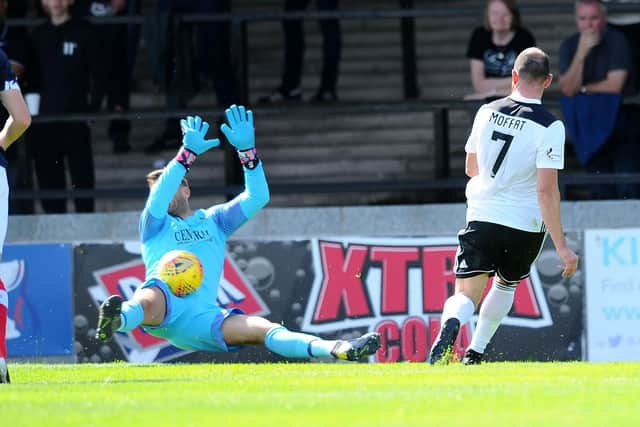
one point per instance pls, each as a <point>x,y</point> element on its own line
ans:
<point>179,207</point>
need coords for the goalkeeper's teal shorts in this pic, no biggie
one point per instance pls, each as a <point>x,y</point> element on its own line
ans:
<point>190,323</point>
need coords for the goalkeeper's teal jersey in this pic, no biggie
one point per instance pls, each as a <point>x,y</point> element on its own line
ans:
<point>204,233</point>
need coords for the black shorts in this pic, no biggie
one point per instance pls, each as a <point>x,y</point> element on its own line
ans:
<point>490,248</point>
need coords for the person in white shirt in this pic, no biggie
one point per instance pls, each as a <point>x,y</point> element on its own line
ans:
<point>514,152</point>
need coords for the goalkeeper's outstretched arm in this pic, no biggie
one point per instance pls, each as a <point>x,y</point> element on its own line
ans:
<point>164,189</point>
<point>241,134</point>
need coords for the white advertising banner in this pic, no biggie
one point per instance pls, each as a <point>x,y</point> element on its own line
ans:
<point>612,267</point>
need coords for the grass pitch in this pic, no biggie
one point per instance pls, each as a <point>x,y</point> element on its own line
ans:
<point>313,394</point>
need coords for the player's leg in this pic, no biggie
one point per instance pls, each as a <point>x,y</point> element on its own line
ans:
<point>522,248</point>
<point>472,267</point>
<point>495,307</point>
<point>457,311</point>
<point>242,329</point>
<point>148,307</point>
<point>4,313</point>
<point>4,295</point>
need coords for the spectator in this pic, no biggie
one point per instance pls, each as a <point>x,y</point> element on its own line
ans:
<point>114,42</point>
<point>70,77</point>
<point>294,47</point>
<point>15,42</point>
<point>595,64</point>
<point>178,70</point>
<point>493,49</point>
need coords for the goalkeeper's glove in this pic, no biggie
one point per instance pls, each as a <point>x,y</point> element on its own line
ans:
<point>194,131</point>
<point>239,132</point>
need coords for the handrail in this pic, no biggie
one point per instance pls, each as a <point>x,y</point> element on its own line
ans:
<point>442,182</point>
<point>455,183</point>
<point>356,107</point>
<point>439,11</point>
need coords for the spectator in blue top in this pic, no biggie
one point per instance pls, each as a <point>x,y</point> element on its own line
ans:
<point>595,65</point>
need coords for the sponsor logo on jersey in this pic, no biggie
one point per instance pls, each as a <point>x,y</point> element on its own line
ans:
<point>69,48</point>
<point>551,155</point>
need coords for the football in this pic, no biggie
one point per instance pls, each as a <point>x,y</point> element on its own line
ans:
<point>181,271</point>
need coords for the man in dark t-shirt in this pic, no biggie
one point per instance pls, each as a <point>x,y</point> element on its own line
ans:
<point>71,77</point>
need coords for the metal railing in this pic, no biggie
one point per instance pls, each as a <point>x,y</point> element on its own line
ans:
<point>406,12</point>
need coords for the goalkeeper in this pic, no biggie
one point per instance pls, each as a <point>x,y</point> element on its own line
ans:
<point>196,322</point>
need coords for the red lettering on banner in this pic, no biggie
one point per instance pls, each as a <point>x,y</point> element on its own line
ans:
<point>395,282</point>
<point>414,340</point>
<point>438,276</point>
<point>342,284</point>
<point>352,273</point>
<point>389,342</point>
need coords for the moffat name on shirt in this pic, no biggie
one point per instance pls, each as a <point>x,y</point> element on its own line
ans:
<point>507,122</point>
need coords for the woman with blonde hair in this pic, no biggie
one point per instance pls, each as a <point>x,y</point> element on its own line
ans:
<point>493,49</point>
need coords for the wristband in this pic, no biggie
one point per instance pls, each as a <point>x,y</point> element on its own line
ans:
<point>249,158</point>
<point>185,157</point>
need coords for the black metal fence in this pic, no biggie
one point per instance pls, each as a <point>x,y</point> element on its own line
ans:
<point>407,14</point>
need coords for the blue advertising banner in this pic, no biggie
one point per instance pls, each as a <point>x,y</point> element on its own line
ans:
<point>613,294</point>
<point>39,280</point>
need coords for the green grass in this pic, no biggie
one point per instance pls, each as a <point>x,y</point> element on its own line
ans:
<point>337,394</point>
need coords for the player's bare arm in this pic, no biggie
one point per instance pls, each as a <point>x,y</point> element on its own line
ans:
<point>471,165</point>
<point>19,117</point>
<point>549,201</point>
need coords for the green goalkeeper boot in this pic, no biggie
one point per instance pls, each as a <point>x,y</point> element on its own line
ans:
<point>109,318</point>
<point>356,349</point>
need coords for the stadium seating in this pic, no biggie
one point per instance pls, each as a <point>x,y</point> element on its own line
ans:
<point>314,145</point>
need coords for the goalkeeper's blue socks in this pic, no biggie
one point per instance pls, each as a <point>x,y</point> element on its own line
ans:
<point>131,315</point>
<point>282,341</point>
